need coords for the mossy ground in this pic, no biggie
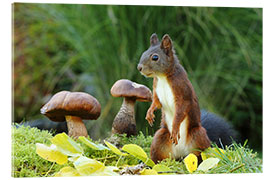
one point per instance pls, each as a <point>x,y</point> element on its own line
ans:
<point>26,163</point>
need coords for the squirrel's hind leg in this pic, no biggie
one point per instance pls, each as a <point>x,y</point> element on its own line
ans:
<point>161,147</point>
<point>199,140</point>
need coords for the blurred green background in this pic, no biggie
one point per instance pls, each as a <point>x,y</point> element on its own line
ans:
<point>89,47</point>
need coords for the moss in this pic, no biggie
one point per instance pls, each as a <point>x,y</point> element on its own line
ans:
<point>108,157</point>
<point>140,139</point>
<point>25,161</point>
<point>177,166</point>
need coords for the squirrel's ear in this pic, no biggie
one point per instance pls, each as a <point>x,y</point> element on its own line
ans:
<point>166,44</point>
<point>153,39</point>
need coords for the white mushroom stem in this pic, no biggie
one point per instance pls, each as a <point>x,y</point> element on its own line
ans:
<point>76,127</point>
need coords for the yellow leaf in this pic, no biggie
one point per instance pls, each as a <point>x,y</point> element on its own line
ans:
<point>139,153</point>
<point>148,172</point>
<point>107,171</point>
<point>162,168</point>
<point>92,167</point>
<point>91,144</point>
<point>211,152</point>
<point>115,149</point>
<point>67,145</point>
<point>208,164</point>
<point>51,153</point>
<point>86,166</point>
<point>73,158</point>
<point>67,172</point>
<point>191,162</point>
<point>135,150</point>
<point>204,155</point>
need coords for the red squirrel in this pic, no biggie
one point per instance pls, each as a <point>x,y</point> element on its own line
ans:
<point>181,131</point>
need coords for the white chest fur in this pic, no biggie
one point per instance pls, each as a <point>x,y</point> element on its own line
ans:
<point>166,98</point>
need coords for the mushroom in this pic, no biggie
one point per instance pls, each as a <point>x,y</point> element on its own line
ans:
<point>124,121</point>
<point>72,107</point>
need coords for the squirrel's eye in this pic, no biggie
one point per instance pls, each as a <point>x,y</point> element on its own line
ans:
<point>155,57</point>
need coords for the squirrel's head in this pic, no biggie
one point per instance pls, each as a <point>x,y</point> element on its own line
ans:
<point>158,58</point>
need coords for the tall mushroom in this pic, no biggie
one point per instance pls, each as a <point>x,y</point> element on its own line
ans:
<point>124,121</point>
<point>72,107</point>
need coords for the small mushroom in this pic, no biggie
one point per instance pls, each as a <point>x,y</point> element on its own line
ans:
<point>72,107</point>
<point>124,121</point>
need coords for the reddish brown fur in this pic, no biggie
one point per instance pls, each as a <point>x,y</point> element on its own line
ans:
<point>186,105</point>
<point>161,146</point>
<point>154,106</point>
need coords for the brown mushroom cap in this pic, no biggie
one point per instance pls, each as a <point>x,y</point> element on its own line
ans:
<point>127,88</point>
<point>68,103</point>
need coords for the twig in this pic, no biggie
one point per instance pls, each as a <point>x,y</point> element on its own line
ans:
<point>109,157</point>
<point>49,169</point>
<point>237,167</point>
<point>176,172</point>
<point>118,161</point>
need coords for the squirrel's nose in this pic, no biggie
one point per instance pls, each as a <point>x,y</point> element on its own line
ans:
<point>139,67</point>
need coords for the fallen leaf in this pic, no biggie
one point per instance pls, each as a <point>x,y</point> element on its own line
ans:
<point>86,166</point>
<point>115,149</point>
<point>91,144</point>
<point>73,158</point>
<point>162,168</point>
<point>92,167</point>
<point>51,153</point>
<point>67,172</point>
<point>208,164</point>
<point>139,153</point>
<point>107,171</point>
<point>148,172</point>
<point>191,162</point>
<point>67,145</point>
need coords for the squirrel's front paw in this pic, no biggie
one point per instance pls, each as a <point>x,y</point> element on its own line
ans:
<point>175,136</point>
<point>150,116</point>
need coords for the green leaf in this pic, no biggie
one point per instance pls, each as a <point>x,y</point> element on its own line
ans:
<point>162,168</point>
<point>51,153</point>
<point>67,172</point>
<point>115,149</point>
<point>148,172</point>
<point>91,144</point>
<point>208,164</point>
<point>139,153</point>
<point>87,167</point>
<point>67,145</point>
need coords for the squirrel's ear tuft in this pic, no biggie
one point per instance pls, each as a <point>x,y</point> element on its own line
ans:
<point>153,39</point>
<point>166,44</point>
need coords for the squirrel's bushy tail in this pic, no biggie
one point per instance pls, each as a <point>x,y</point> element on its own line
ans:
<point>218,129</point>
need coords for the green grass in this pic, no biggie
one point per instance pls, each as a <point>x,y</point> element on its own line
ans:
<point>26,163</point>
